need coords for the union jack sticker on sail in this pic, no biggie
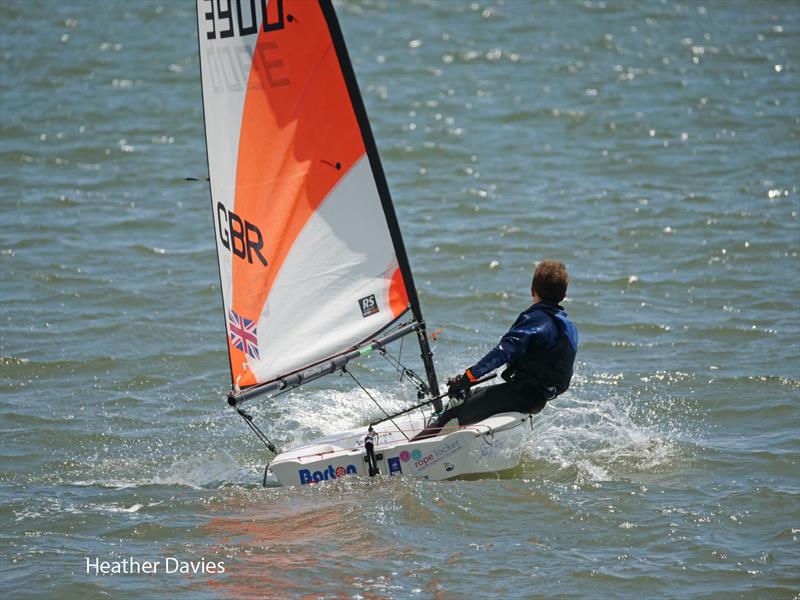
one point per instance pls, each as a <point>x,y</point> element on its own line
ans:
<point>243,334</point>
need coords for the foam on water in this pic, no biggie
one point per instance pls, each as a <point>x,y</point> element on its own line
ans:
<point>600,438</point>
<point>210,469</point>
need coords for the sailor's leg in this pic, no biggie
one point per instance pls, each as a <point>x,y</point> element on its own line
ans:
<point>487,401</point>
<point>482,403</point>
<point>434,428</point>
<point>495,399</point>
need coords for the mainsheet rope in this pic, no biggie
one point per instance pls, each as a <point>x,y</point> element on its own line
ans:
<point>388,416</point>
<point>403,370</point>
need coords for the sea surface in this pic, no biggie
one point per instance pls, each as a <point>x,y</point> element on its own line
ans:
<point>652,146</point>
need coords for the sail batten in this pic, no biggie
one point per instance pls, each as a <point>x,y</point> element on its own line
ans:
<point>311,258</point>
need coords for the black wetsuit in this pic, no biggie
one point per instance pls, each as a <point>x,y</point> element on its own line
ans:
<point>539,350</point>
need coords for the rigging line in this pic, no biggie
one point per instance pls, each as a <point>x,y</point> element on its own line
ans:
<point>259,434</point>
<point>388,416</point>
<point>392,360</point>
<point>249,420</point>
<point>394,363</point>
<point>405,371</point>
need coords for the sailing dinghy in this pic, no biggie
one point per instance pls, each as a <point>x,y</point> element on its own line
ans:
<point>313,270</point>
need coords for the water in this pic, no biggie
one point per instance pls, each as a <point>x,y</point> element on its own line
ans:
<point>652,146</point>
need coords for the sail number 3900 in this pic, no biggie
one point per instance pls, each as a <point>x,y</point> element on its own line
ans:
<point>239,236</point>
<point>220,17</point>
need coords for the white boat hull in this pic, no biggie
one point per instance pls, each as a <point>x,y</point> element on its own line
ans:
<point>492,445</point>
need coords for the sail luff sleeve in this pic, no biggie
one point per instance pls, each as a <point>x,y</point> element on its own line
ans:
<point>382,185</point>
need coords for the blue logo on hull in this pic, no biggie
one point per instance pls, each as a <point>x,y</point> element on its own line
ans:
<point>394,466</point>
<point>330,472</point>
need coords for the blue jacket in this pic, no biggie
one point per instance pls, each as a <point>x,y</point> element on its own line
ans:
<point>541,336</point>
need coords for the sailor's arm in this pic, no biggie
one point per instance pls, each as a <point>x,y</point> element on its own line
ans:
<point>512,344</point>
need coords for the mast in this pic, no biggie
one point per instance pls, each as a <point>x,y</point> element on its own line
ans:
<point>383,192</point>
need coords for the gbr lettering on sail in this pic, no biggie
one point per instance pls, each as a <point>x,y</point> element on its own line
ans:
<point>240,236</point>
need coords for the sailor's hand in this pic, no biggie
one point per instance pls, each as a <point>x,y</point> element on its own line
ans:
<point>458,385</point>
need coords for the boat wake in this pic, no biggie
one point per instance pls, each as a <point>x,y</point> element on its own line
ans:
<point>592,436</point>
<point>209,470</point>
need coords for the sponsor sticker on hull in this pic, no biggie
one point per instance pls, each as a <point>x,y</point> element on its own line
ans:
<point>330,472</point>
<point>492,449</point>
<point>432,457</point>
<point>395,468</point>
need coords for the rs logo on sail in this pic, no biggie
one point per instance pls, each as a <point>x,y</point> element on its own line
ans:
<point>239,236</point>
<point>307,476</point>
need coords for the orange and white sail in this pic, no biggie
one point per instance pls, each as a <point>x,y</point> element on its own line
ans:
<point>310,256</point>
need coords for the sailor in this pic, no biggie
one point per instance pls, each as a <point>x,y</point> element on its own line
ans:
<point>538,351</point>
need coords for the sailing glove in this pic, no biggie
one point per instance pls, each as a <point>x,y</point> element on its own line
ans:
<point>458,385</point>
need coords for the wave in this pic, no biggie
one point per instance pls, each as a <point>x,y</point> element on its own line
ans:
<point>601,439</point>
